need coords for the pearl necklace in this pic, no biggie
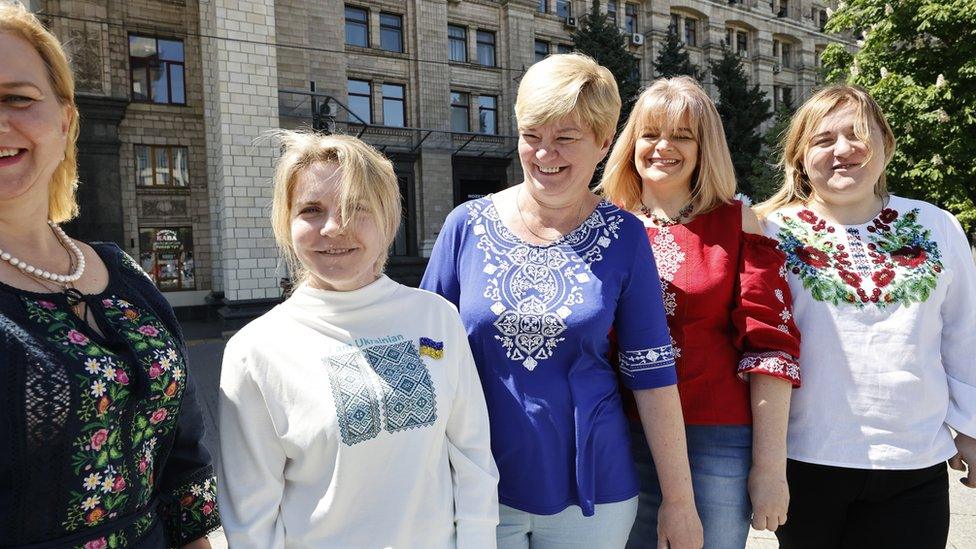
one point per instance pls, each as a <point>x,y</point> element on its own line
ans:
<point>46,275</point>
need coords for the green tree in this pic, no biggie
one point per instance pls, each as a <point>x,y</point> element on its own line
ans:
<point>599,38</point>
<point>767,173</point>
<point>673,59</point>
<point>743,110</point>
<point>918,60</point>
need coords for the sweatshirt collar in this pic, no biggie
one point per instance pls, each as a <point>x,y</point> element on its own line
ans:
<point>335,302</point>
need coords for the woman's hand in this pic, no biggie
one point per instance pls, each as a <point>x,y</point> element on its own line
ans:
<point>770,496</point>
<point>199,543</point>
<point>966,456</point>
<point>678,526</point>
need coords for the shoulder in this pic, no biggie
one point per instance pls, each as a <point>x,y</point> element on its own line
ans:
<point>425,300</point>
<point>750,222</point>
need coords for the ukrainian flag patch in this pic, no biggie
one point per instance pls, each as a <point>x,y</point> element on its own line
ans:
<point>431,348</point>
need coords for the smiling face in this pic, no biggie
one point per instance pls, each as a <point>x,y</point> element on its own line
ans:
<point>559,158</point>
<point>337,258</point>
<point>666,158</point>
<point>842,168</point>
<point>33,125</point>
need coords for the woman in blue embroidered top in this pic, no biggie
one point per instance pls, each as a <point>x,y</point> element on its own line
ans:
<point>540,273</point>
<point>100,429</point>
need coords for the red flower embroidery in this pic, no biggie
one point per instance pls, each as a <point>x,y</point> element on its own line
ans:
<point>888,215</point>
<point>812,256</point>
<point>148,330</point>
<point>99,438</point>
<point>119,484</point>
<point>77,337</point>
<point>99,543</point>
<point>207,508</point>
<point>158,416</point>
<point>121,377</point>
<point>882,278</point>
<point>155,370</point>
<point>909,256</point>
<point>852,279</point>
<point>46,305</point>
<point>143,465</point>
<point>170,389</point>
<point>808,216</point>
<point>95,515</point>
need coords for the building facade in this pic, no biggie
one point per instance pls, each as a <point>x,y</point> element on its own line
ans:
<point>178,98</point>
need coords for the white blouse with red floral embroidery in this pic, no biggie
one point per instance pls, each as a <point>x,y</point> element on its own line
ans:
<point>887,310</point>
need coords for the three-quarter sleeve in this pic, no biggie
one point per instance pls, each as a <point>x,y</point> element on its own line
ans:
<point>644,352</point>
<point>473,470</point>
<point>441,275</point>
<point>959,331</point>
<point>252,460</point>
<point>188,485</point>
<point>763,316</point>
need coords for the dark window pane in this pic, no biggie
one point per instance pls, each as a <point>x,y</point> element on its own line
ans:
<point>564,8</point>
<point>564,48</point>
<point>140,83</point>
<point>144,175</point>
<point>171,50</point>
<point>176,84</point>
<point>742,42</point>
<point>391,32</point>
<point>459,112</point>
<point>612,11</point>
<point>690,32</point>
<point>630,18</point>
<point>162,165</point>
<point>181,174</point>
<point>486,48</point>
<point>541,7</point>
<point>541,50</point>
<point>488,114</point>
<point>391,20</point>
<point>160,84</point>
<point>357,27</point>
<point>457,38</point>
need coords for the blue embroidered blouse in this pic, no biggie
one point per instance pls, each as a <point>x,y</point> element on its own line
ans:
<point>538,319</point>
<point>101,430</point>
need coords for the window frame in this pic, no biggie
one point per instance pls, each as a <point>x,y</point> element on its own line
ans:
<point>347,21</point>
<point>690,24</point>
<point>493,109</point>
<point>466,106</point>
<point>612,13</point>
<point>160,64</point>
<point>171,157</point>
<point>398,30</point>
<point>492,44</point>
<point>631,20</point>
<point>369,101</point>
<point>402,100</point>
<point>568,5</point>
<point>464,43</point>
<point>548,47</point>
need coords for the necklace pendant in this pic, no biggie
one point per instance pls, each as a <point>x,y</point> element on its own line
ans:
<point>73,296</point>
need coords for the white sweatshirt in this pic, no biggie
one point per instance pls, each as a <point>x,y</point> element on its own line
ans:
<point>355,420</point>
<point>887,316</point>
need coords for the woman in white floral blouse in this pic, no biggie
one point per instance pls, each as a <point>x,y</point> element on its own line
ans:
<point>884,293</point>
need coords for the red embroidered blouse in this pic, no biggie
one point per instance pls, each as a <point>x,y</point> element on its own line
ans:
<point>728,307</point>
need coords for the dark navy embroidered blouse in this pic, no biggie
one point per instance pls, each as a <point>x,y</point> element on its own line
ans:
<point>538,319</point>
<point>101,433</point>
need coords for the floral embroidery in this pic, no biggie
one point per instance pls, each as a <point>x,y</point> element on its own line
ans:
<point>534,289</point>
<point>668,256</point>
<point>197,514</point>
<point>896,262</point>
<point>774,363</point>
<point>122,537</point>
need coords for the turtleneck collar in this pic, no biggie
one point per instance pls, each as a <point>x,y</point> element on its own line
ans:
<point>331,302</point>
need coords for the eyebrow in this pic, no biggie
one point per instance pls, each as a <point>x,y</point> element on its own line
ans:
<point>12,85</point>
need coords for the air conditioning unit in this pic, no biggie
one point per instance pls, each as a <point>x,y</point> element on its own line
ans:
<point>570,22</point>
<point>637,39</point>
<point>776,67</point>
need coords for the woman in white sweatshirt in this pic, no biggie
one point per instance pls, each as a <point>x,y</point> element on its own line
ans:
<point>351,415</point>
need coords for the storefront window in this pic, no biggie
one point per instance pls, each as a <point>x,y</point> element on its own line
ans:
<point>167,256</point>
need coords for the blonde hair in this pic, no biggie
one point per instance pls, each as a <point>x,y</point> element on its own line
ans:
<point>16,20</point>
<point>365,177</point>
<point>661,107</point>
<point>569,84</point>
<point>796,187</point>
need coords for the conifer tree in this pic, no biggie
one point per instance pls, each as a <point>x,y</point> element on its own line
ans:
<point>767,172</point>
<point>743,110</point>
<point>598,37</point>
<point>673,60</point>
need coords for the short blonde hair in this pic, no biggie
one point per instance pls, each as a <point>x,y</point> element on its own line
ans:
<point>365,177</point>
<point>16,20</point>
<point>569,84</point>
<point>661,107</point>
<point>796,187</point>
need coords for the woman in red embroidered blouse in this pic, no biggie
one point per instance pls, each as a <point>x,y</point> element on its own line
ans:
<point>728,307</point>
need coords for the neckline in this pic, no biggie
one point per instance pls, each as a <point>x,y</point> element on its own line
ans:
<point>885,206</point>
<point>557,242</point>
<point>110,266</point>
<point>334,302</point>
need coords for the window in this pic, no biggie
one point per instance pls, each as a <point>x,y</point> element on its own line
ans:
<point>166,254</point>
<point>630,18</point>
<point>786,50</point>
<point>459,111</point>
<point>157,70</point>
<point>360,92</point>
<point>541,7</point>
<point>690,37</point>
<point>564,8</point>
<point>742,42</point>
<point>486,48</point>
<point>675,23</point>
<point>782,97</point>
<point>161,166</point>
<point>780,8</point>
<point>457,40</point>
<point>612,11</point>
<point>488,114</point>
<point>564,48</point>
<point>394,111</point>
<point>391,32</point>
<point>541,50</point>
<point>818,56</point>
<point>822,19</point>
<point>357,27</point>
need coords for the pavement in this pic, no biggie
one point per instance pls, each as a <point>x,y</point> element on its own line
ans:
<point>206,342</point>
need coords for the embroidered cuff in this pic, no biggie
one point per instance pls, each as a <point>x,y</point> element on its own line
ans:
<point>193,513</point>
<point>773,363</point>
<point>636,362</point>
